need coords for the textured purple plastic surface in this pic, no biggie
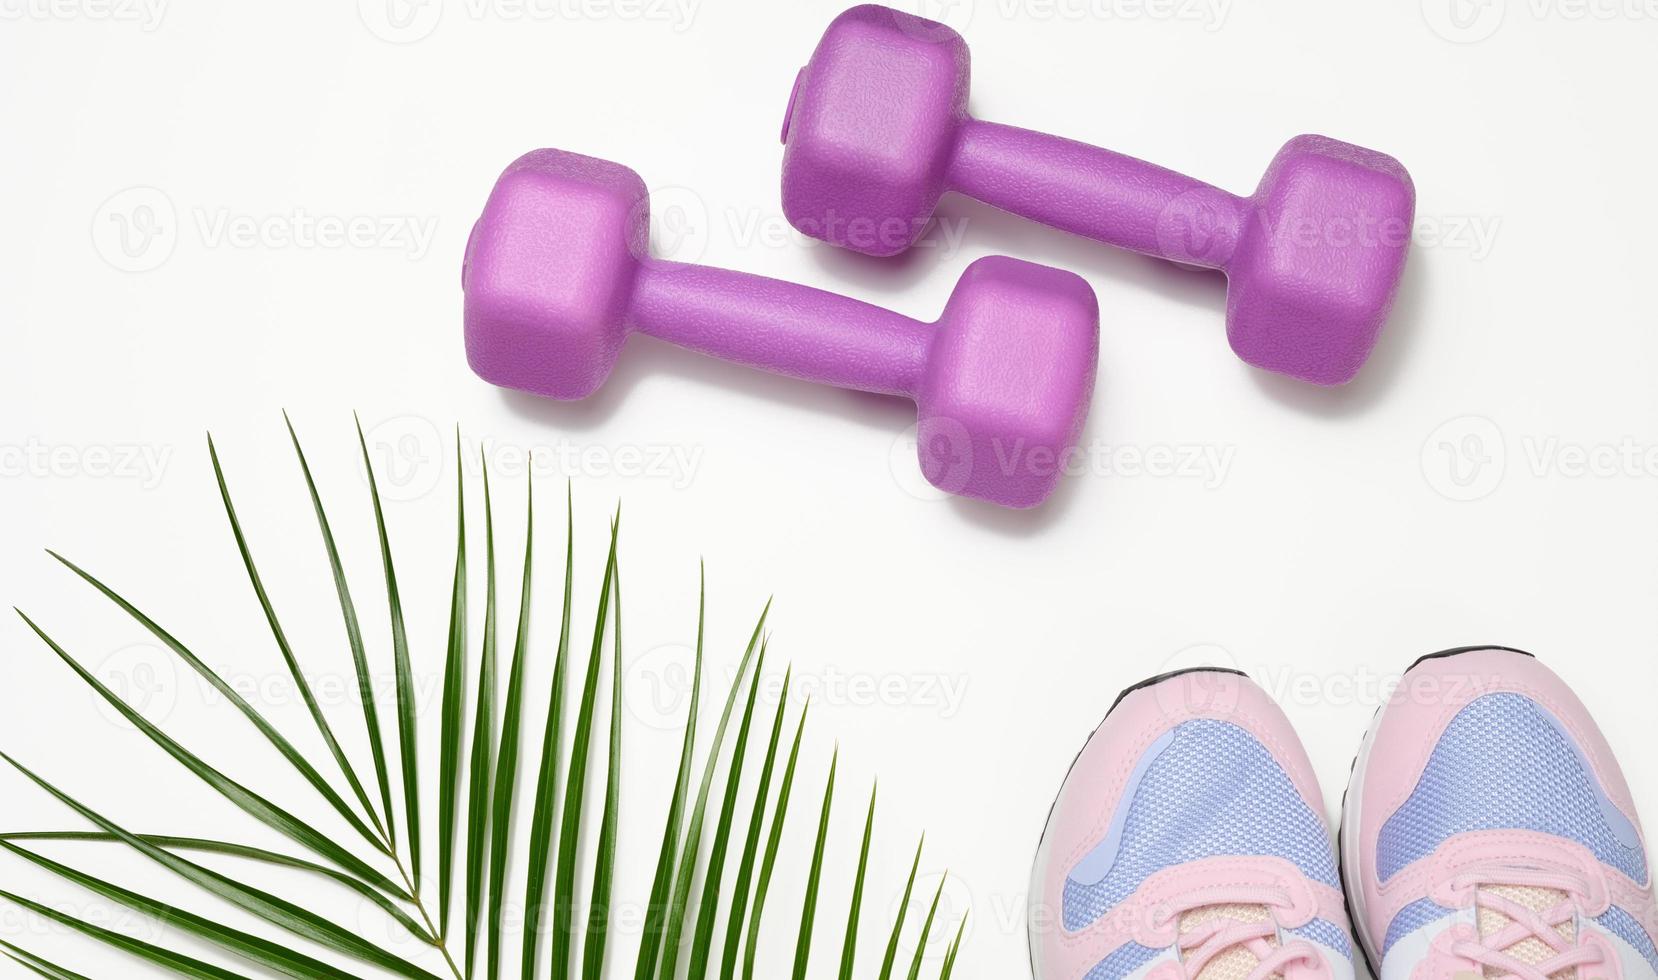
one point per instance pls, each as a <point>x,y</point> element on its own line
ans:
<point>558,273</point>
<point>877,130</point>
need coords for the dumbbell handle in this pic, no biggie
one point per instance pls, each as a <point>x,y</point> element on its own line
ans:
<point>780,327</point>
<point>1089,191</point>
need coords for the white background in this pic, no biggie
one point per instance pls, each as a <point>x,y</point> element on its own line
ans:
<point>1490,477</point>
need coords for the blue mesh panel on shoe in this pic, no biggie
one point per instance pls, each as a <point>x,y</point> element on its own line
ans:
<point>1328,934</point>
<point>1502,764</point>
<point>1122,961</point>
<point>1213,791</point>
<point>1623,925</point>
<point>1411,918</point>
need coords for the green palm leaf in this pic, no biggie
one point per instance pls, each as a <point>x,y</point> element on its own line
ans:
<point>406,735</point>
<point>569,835</point>
<point>903,909</point>
<point>250,947</point>
<point>689,889</point>
<point>36,965</point>
<point>298,761</point>
<point>354,639</point>
<point>252,854</point>
<point>250,802</point>
<point>506,760</point>
<point>927,930</point>
<point>756,823</point>
<point>546,787</point>
<point>276,911</point>
<point>483,744</point>
<point>955,948</point>
<point>803,945</point>
<point>693,836</point>
<point>180,964</point>
<point>286,649</point>
<point>849,951</point>
<point>709,910</point>
<point>454,705</point>
<point>604,867</point>
<point>656,909</point>
<point>769,863</point>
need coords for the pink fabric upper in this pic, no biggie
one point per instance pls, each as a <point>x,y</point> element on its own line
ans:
<point>1104,779</point>
<point>1607,884</point>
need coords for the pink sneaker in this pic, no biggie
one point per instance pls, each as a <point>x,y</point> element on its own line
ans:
<point>1487,832</point>
<point>1189,843</point>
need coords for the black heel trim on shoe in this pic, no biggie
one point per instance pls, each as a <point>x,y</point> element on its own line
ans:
<point>1168,675</point>
<point>1456,650</point>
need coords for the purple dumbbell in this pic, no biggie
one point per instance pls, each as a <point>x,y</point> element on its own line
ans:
<point>877,130</point>
<point>558,272</point>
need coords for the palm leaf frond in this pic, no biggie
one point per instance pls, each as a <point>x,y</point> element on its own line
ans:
<point>477,785</point>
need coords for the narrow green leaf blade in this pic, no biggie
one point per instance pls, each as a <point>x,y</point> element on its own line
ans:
<point>406,728</point>
<point>252,803</point>
<point>36,965</point>
<point>693,835</point>
<point>604,868</point>
<point>276,911</point>
<point>178,963</point>
<point>506,764</point>
<point>751,847</point>
<point>246,945</point>
<point>454,707</point>
<point>282,745</point>
<point>903,909</point>
<point>927,930</point>
<point>708,912</point>
<point>808,910</point>
<point>569,835</point>
<point>955,948</point>
<point>849,951</point>
<point>354,639</point>
<point>252,854</point>
<point>769,863</point>
<point>544,810</point>
<point>483,746</point>
<point>656,910</point>
<point>286,649</point>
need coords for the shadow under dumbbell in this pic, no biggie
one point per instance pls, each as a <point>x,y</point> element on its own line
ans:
<point>1379,373</point>
<point>983,228</point>
<point>885,417</point>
